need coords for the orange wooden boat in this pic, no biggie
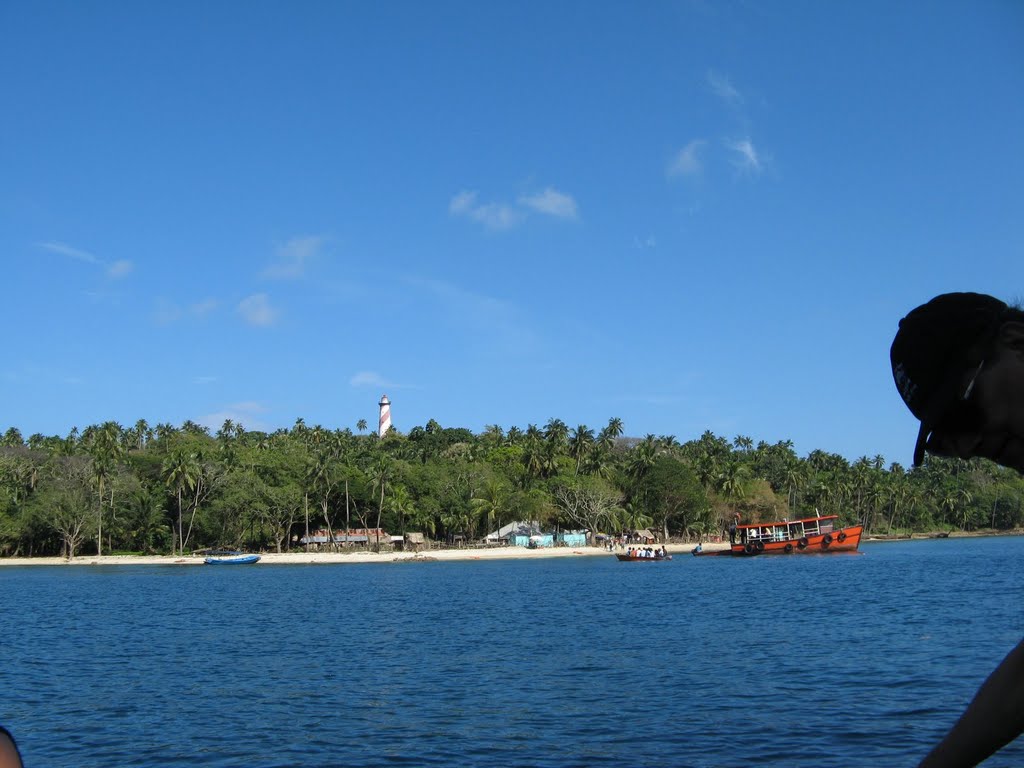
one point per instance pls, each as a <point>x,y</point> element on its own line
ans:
<point>807,536</point>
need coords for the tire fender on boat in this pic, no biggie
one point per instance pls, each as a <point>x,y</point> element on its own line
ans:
<point>841,537</point>
<point>788,548</point>
<point>749,548</point>
<point>759,546</point>
<point>802,544</point>
<point>827,539</point>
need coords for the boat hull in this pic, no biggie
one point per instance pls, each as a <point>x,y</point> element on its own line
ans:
<point>841,540</point>
<point>630,559</point>
<point>233,560</point>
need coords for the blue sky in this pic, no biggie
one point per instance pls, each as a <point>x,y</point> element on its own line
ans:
<point>686,215</point>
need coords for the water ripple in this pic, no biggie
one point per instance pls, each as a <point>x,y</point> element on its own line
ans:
<point>586,662</point>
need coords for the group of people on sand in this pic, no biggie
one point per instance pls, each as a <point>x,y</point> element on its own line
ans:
<point>648,551</point>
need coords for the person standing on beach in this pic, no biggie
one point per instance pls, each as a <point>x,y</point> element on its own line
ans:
<point>958,363</point>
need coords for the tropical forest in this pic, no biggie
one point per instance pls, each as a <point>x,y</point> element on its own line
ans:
<point>109,489</point>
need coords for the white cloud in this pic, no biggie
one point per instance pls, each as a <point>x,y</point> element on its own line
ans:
<point>496,325</point>
<point>552,203</point>
<point>256,310</point>
<point>723,88</point>
<point>204,379</point>
<point>370,379</point>
<point>166,312</point>
<point>67,250</point>
<point>492,215</point>
<point>120,268</point>
<point>745,156</point>
<point>462,204</point>
<point>644,243</point>
<point>293,256</point>
<point>687,161</point>
<point>114,270</point>
<point>204,307</point>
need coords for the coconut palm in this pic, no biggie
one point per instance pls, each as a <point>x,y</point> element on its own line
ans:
<point>180,471</point>
<point>580,443</point>
<point>489,502</point>
<point>380,473</point>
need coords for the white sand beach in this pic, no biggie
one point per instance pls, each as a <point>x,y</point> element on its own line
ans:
<point>326,558</point>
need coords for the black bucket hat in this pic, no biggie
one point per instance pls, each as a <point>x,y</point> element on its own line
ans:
<point>936,344</point>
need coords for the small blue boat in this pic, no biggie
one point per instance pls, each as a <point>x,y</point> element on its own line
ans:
<point>228,557</point>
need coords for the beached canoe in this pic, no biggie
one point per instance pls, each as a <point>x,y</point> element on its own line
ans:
<point>236,558</point>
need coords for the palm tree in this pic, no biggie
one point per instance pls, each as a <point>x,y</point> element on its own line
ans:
<point>143,434</point>
<point>489,502</point>
<point>580,443</point>
<point>642,458</point>
<point>105,449</point>
<point>743,443</point>
<point>321,479</point>
<point>401,504</point>
<point>380,477</point>
<point>614,428</point>
<point>556,434</point>
<point>533,455</point>
<point>361,425</point>
<point>731,481</point>
<point>180,470</point>
<point>795,479</point>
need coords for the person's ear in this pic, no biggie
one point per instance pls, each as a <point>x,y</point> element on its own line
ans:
<point>1011,336</point>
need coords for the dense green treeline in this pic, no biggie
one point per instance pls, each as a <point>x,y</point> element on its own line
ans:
<point>171,490</point>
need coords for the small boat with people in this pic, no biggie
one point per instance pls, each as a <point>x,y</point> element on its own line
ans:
<point>807,536</point>
<point>229,557</point>
<point>644,555</point>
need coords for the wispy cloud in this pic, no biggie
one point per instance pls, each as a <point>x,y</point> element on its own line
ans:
<point>745,156</point>
<point>120,268</point>
<point>722,87</point>
<point>644,243</point>
<point>551,202</point>
<point>293,257</point>
<point>245,413</point>
<point>372,379</point>
<point>498,326</point>
<point>491,215</point>
<point>115,270</point>
<point>201,380</point>
<point>687,161</point>
<point>256,310</point>
<point>203,308</point>
<point>167,312</point>
<point>500,216</point>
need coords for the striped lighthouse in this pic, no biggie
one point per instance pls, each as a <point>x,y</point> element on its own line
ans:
<point>385,416</point>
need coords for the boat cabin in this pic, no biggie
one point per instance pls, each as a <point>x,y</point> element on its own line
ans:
<point>786,530</point>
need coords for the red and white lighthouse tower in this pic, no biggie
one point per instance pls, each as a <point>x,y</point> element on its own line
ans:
<point>385,416</point>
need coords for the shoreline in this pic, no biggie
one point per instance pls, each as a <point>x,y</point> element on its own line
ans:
<point>350,558</point>
<point>430,555</point>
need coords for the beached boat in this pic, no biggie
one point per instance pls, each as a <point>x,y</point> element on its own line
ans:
<point>230,557</point>
<point>808,536</point>
<point>638,559</point>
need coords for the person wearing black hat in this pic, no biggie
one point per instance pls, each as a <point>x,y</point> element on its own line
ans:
<point>958,363</point>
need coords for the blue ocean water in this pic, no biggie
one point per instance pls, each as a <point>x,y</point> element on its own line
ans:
<point>860,660</point>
